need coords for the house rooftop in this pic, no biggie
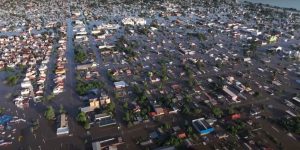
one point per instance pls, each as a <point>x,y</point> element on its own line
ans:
<point>63,125</point>
<point>109,144</point>
<point>202,126</point>
<point>63,120</point>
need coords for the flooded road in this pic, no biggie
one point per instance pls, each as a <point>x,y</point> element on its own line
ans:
<point>45,136</point>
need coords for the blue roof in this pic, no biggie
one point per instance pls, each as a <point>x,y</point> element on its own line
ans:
<point>202,126</point>
<point>207,131</point>
<point>5,119</point>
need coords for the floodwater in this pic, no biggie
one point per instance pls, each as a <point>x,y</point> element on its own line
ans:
<point>280,3</point>
<point>23,138</point>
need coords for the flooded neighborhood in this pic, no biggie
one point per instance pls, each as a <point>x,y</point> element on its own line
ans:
<point>149,74</point>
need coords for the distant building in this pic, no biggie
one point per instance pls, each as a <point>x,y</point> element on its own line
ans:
<point>86,66</point>
<point>297,54</point>
<point>106,46</point>
<point>134,21</point>
<point>154,79</point>
<point>166,148</point>
<point>247,59</point>
<point>120,84</point>
<point>147,142</point>
<point>230,93</point>
<point>26,84</point>
<point>76,13</point>
<point>108,26</point>
<point>235,116</point>
<point>296,101</point>
<point>158,110</point>
<point>222,135</point>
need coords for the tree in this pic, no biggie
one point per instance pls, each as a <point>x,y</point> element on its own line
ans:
<point>256,94</point>
<point>150,74</point>
<point>292,124</point>
<point>232,129</point>
<point>49,113</point>
<point>186,110</point>
<point>174,141</point>
<point>187,98</point>
<point>164,72</point>
<point>127,117</point>
<point>12,80</point>
<point>274,74</point>
<point>167,126</point>
<point>125,105</point>
<point>2,109</point>
<point>61,109</point>
<point>199,36</point>
<point>83,120</point>
<point>160,86</point>
<point>86,125</point>
<point>110,108</point>
<point>197,111</point>
<point>35,125</point>
<point>83,87</point>
<point>190,130</point>
<point>231,110</point>
<point>80,55</point>
<point>199,65</point>
<point>217,111</point>
<point>137,89</point>
<point>81,117</point>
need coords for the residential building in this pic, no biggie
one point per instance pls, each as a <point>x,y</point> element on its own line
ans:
<point>104,119</point>
<point>63,127</point>
<point>202,126</point>
<point>107,144</point>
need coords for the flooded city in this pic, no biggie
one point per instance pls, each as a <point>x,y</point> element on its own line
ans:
<point>149,74</point>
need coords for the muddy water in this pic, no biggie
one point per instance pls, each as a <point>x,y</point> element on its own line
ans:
<point>44,137</point>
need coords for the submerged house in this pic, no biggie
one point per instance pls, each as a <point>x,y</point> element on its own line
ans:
<point>63,127</point>
<point>120,84</point>
<point>105,120</point>
<point>107,144</point>
<point>230,93</point>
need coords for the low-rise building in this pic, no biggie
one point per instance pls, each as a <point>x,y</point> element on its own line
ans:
<point>202,126</point>
<point>107,144</point>
<point>120,84</point>
<point>86,66</point>
<point>105,119</point>
<point>230,93</point>
<point>63,127</point>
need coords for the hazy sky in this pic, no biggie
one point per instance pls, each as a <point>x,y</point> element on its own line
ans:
<point>280,3</point>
